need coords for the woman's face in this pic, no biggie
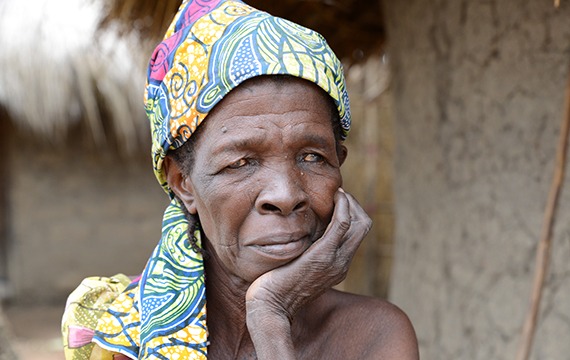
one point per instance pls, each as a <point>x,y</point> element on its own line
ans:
<point>265,172</point>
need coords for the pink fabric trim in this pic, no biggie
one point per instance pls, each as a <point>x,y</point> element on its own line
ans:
<point>79,336</point>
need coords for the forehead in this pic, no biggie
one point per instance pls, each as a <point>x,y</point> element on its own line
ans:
<point>286,87</point>
<point>265,98</point>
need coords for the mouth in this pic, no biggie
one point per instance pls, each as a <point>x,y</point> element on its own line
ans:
<point>282,247</point>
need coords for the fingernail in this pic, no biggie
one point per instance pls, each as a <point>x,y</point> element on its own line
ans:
<point>341,190</point>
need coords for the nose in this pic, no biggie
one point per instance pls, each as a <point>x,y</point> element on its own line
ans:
<point>282,194</point>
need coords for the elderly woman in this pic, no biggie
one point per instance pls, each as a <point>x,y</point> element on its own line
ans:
<point>248,115</point>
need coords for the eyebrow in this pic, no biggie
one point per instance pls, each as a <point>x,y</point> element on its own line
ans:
<point>318,139</point>
<point>236,144</point>
<point>249,141</point>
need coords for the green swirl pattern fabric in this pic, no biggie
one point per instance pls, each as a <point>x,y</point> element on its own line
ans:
<point>209,49</point>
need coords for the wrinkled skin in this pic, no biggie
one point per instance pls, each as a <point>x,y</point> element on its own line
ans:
<point>281,232</point>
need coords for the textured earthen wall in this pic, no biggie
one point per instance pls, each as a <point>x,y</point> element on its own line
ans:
<point>479,95</point>
<point>75,214</point>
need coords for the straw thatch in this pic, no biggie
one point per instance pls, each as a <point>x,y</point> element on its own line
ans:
<point>67,61</point>
<point>82,62</point>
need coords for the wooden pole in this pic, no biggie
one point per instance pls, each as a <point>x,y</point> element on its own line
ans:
<point>4,150</point>
<point>543,250</point>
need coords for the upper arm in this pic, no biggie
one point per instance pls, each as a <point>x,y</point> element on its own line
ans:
<point>396,340</point>
<point>381,330</point>
<point>365,328</point>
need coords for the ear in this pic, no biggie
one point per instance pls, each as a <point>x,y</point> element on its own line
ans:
<point>180,184</point>
<point>342,153</point>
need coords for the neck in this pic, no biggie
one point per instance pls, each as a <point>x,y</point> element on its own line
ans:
<point>225,295</point>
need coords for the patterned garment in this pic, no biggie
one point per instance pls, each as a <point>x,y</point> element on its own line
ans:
<point>209,49</point>
<point>84,307</point>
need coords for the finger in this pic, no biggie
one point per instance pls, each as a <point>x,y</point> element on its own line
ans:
<point>358,215</point>
<point>340,220</point>
<point>327,245</point>
<point>355,209</point>
<point>346,230</point>
<point>360,224</point>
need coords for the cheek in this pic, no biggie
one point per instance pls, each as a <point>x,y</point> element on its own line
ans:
<point>323,204</point>
<point>322,194</point>
<point>220,218</point>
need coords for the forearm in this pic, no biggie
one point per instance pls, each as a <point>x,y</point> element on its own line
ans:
<point>270,332</point>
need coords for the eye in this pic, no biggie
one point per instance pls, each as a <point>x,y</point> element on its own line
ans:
<point>312,158</point>
<point>240,163</point>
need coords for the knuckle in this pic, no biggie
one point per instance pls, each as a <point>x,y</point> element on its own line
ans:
<point>323,265</point>
<point>368,224</point>
<point>343,226</point>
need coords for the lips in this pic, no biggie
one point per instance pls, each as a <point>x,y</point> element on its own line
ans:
<point>281,246</point>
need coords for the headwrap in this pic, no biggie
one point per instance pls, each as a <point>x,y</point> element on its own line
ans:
<point>209,49</point>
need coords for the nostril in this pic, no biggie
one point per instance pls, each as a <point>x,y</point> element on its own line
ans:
<point>270,208</point>
<point>299,206</point>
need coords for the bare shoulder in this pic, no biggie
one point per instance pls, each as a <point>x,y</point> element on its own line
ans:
<point>370,327</point>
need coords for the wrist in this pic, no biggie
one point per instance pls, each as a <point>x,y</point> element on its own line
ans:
<point>270,331</point>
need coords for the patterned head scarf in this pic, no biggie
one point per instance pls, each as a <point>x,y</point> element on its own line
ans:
<point>209,49</point>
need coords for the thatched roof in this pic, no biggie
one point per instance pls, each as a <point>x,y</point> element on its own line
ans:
<point>72,62</point>
<point>353,28</point>
<point>65,62</point>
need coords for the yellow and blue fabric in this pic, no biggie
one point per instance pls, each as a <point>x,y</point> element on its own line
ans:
<point>85,306</point>
<point>209,49</point>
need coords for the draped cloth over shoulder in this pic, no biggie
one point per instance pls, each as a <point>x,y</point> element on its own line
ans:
<point>209,49</point>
